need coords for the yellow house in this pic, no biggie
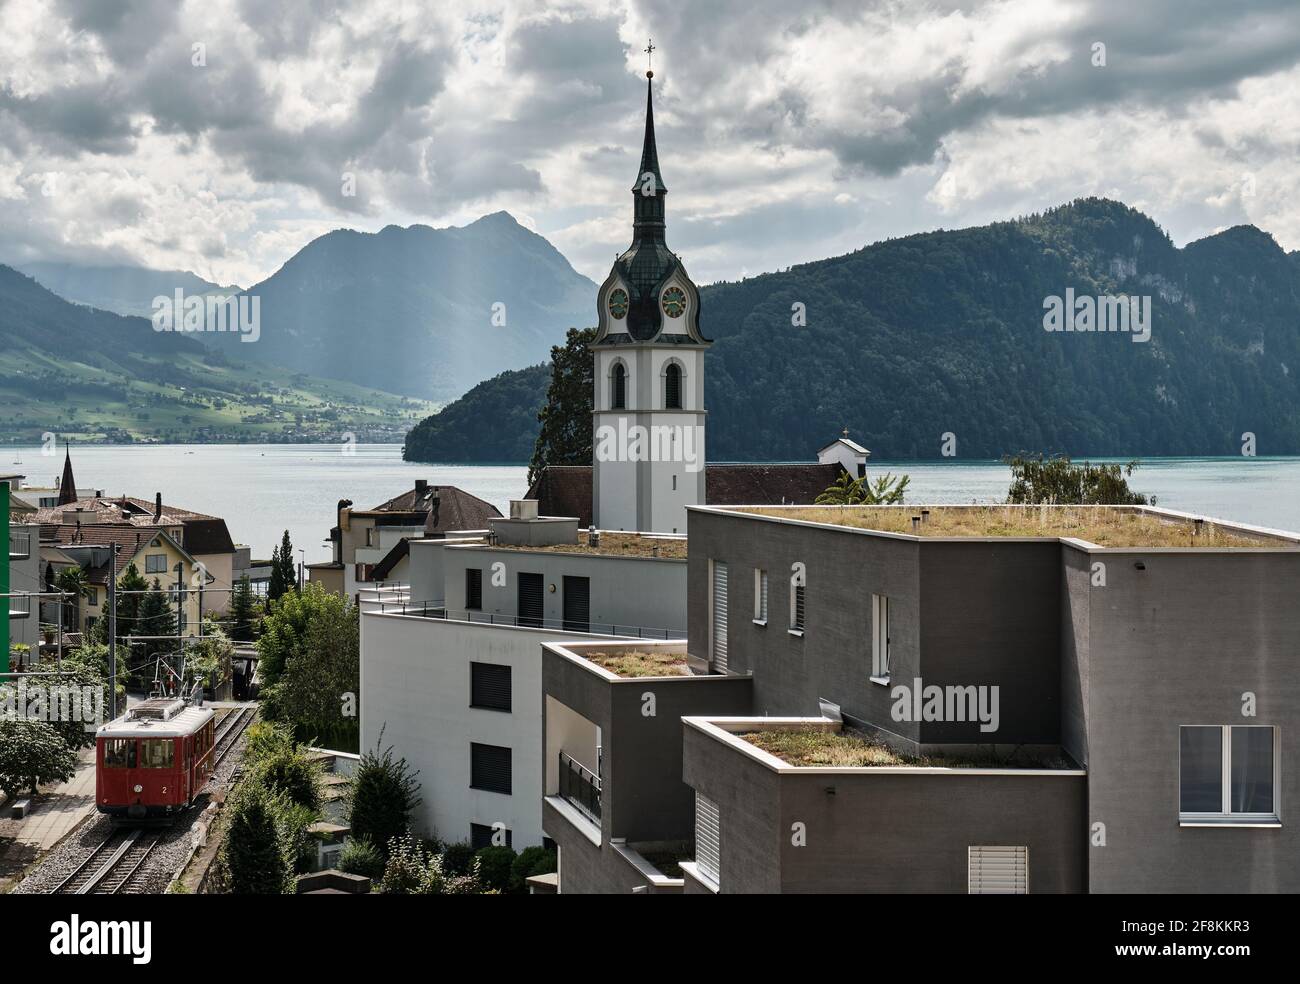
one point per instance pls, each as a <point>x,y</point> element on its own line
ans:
<point>157,555</point>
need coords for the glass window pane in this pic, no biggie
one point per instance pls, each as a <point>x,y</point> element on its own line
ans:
<point>1252,770</point>
<point>1200,787</point>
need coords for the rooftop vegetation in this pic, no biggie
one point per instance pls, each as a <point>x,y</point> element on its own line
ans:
<point>855,749</point>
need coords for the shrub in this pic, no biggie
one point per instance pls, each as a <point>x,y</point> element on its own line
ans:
<point>264,739</point>
<point>254,855</point>
<point>360,857</point>
<point>412,870</point>
<point>381,796</point>
<point>291,772</point>
<point>495,865</point>
<point>531,861</point>
<point>458,858</point>
<point>297,844</point>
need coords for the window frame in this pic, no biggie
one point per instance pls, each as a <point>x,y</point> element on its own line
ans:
<point>510,758</point>
<point>469,598</point>
<point>510,696</point>
<point>1229,818</point>
<point>798,609</point>
<point>149,560</point>
<point>761,596</point>
<point>881,640</point>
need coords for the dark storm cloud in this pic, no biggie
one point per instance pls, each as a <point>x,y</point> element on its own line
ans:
<point>127,29</point>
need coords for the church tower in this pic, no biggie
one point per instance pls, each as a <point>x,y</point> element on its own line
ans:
<point>648,426</point>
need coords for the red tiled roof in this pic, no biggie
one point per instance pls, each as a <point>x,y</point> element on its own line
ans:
<point>565,490</point>
<point>457,509</point>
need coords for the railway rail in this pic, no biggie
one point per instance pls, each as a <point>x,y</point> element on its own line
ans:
<point>110,867</point>
<point>232,726</point>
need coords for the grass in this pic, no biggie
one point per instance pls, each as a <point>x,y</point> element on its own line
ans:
<point>622,544</point>
<point>855,749</point>
<point>1105,526</point>
<point>641,664</point>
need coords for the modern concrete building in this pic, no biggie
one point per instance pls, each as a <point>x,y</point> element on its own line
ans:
<point>451,664</point>
<point>19,577</point>
<point>953,699</point>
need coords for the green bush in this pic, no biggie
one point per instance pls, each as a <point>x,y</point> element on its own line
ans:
<point>381,796</point>
<point>254,855</point>
<point>458,858</point>
<point>296,842</point>
<point>360,857</point>
<point>291,772</point>
<point>531,861</point>
<point>264,739</point>
<point>495,864</point>
<point>412,870</point>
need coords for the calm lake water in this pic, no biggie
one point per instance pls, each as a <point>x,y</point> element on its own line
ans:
<point>262,490</point>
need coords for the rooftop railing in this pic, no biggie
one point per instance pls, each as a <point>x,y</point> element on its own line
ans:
<point>20,546</point>
<point>431,610</point>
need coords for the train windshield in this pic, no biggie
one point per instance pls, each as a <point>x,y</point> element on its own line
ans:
<point>157,753</point>
<point>119,753</point>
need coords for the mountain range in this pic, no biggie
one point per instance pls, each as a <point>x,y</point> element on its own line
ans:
<point>127,290</point>
<point>936,343</point>
<point>74,370</point>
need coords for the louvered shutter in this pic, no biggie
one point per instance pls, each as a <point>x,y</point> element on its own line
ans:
<point>490,768</point>
<point>530,600</point>
<point>719,615</point>
<point>997,870</point>
<point>577,604</point>
<point>708,838</point>
<point>473,588</point>
<point>490,686</point>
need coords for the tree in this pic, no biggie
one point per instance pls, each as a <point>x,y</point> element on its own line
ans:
<point>848,491</point>
<point>288,570</point>
<point>208,660</point>
<point>565,436</point>
<point>243,611</point>
<point>275,587</point>
<point>130,587</point>
<point>285,629</point>
<point>381,796</point>
<point>317,691</point>
<point>32,753</point>
<point>254,854</point>
<point>157,619</point>
<point>1038,480</point>
<point>72,581</point>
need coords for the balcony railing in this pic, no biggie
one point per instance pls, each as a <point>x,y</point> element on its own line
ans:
<point>580,786</point>
<point>429,610</point>
<point>20,605</point>
<point>20,546</point>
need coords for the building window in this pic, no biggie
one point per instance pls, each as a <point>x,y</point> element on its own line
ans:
<point>673,387</point>
<point>797,608</point>
<point>879,639</point>
<point>155,563</point>
<point>531,597</point>
<point>618,387</point>
<point>489,686</point>
<point>1227,773</point>
<point>473,588</point>
<point>760,596</point>
<point>489,768</point>
<point>119,753</point>
<point>92,596</point>
<point>480,836</point>
<point>708,839</point>
<point>997,870</point>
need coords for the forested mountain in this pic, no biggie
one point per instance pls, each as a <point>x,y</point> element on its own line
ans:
<point>494,421</point>
<point>943,333</point>
<point>127,290</point>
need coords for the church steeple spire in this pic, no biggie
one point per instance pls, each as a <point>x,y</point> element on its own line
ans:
<point>649,190</point>
<point>67,484</point>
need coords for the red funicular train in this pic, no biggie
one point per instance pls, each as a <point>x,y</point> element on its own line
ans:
<point>153,761</point>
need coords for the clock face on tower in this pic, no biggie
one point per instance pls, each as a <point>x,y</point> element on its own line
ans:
<point>618,303</point>
<point>674,302</point>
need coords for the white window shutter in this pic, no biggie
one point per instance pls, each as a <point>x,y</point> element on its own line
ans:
<point>997,870</point>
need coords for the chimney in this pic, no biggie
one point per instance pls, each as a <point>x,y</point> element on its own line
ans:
<point>157,506</point>
<point>421,486</point>
<point>435,507</point>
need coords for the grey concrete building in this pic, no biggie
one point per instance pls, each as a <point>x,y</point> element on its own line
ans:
<point>986,699</point>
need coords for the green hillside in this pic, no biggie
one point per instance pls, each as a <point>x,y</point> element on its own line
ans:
<point>95,376</point>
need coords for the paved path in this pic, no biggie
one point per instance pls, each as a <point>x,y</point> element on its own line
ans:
<point>62,807</point>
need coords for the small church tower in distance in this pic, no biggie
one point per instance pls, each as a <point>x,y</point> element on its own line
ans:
<point>648,427</point>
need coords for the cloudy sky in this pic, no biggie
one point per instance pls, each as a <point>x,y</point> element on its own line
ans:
<point>215,135</point>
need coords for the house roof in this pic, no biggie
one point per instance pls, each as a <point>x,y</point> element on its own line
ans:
<point>201,533</point>
<point>565,490</point>
<point>853,446</point>
<point>456,509</point>
<point>132,539</point>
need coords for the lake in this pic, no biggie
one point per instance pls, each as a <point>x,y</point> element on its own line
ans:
<point>263,489</point>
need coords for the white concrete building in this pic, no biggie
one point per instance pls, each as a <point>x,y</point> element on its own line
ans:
<point>452,676</point>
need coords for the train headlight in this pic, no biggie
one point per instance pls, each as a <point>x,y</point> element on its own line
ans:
<point>139,789</point>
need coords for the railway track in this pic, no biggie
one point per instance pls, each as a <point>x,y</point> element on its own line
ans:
<point>110,867</point>
<point>232,727</point>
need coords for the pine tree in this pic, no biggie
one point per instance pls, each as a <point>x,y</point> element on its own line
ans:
<point>242,611</point>
<point>289,572</point>
<point>254,857</point>
<point>156,619</point>
<point>565,436</point>
<point>276,587</point>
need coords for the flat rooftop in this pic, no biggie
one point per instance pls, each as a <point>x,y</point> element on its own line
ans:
<point>640,663</point>
<point>1103,526</point>
<point>819,748</point>
<point>614,545</point>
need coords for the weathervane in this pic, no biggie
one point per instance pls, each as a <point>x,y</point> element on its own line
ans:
<point>649,50</point>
